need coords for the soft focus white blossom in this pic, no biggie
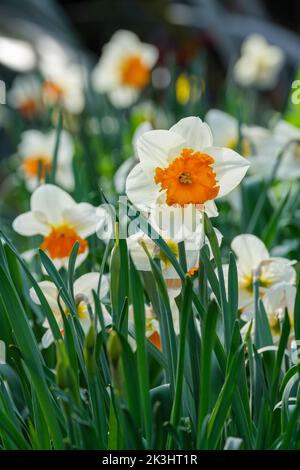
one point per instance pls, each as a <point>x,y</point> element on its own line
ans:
<point>36,150</point>
<point>124,68</point>
<point>259,64</point>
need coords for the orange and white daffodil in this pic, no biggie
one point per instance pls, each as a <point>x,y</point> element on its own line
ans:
<point>152,323</point>
<point>124,68</point>
<point>36,151</point>
<point>254,261</point>
<point>25,96</point>
<point>64,86</point>
<point>180,169</point>
<point>152,326</point>
<point>260,63</point>
<point>83,295</point>
<point>225,130</point>
<point>278,299</point>
<point>61,221</point>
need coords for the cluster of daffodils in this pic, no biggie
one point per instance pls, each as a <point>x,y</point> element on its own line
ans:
<point>60,84</point>
<point>276,278</point>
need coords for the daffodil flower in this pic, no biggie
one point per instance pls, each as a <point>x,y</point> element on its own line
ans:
<point>36,150</point>
<point>83,295</point>
<point>139,242</point>
<point>260,63</point>
<point>180,167</point>
<point>64,86</point>
<point>61,221</point>
<point>278,299</point>
<point>284,138</point>
<point>253,259</point>
<point>25,96</point>
<point>225,130</point>
<point>124,68</point>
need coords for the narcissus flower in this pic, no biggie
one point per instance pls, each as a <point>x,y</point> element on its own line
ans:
<point>36,150</point>
<point>84,302</point>
<point>64,86</point>
<point>25,96</point>
<point>152,325</point>
<point>284,138</point>
<point>278,299</point>
<point>139,241</point>
<point>61,221</point>
<point>254,260</point>
<point>181,167</point>
<point>225,130</point>
<point>124,68</point>
<point>259,64</point>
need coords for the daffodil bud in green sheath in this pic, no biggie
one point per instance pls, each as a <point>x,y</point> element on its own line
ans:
<point>65,377</point>
<point>114,350</point>
<point>89,350</point>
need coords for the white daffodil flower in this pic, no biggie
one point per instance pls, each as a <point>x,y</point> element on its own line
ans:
<point>17,54</point>
<point>61,221</point>
<point>225,131</point>
<point>25,95</point>
<point>36,151</point>
<point>64,86</point>
<point>84,301</point>
<point>124,68</point>
<point>260,63</point>
<point>180,169</point>
<point>284,138</point>
<point>254,260</point>
<point>279,298</point>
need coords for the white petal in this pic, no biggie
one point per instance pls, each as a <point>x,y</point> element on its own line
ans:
<point>149,54</point>
<point>89,282</point>
<point>196,133</point>
<point>229,166</point>
<point>140,189</point>
<point>123,96</point>
<point>27,224</point>
<point>47,339</point>
<point>51,201</point>
<point>50,292</point>
<point>279,270</point>
<point>83,217</point>
<point>138,253</point>
<point>224,128</point>
<point>158,148</point>
<point>250,251</point>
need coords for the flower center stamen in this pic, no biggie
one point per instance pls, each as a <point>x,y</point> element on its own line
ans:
<point>185,178</point>
<point>60,241</point>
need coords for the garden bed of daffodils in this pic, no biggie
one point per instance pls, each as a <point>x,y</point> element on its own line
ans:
<point>149,250</point>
